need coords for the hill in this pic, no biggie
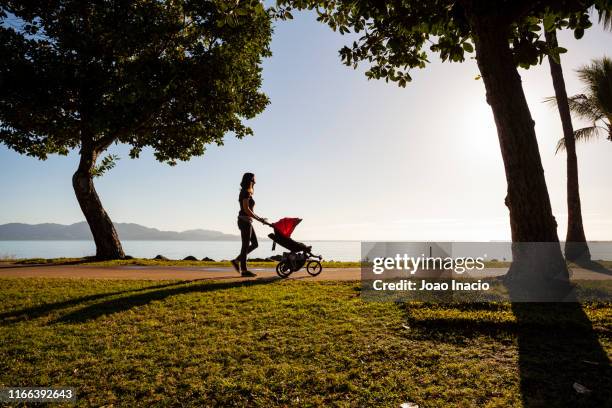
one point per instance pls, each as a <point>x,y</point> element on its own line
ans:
<point>126,231</point>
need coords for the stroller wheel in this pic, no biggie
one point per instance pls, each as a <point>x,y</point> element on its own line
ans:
<point>283,269</point>
<point>314,268</point>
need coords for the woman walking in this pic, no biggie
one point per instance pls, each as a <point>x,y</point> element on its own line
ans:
<point>245,224</point>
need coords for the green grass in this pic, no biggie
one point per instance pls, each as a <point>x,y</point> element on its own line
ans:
<point>497,264</point>
<point>156,262</point>
<point>287,343</point>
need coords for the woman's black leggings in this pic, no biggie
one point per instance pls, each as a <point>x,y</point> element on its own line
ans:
<point>249,242</point>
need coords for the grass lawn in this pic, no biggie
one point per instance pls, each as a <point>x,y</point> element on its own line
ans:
<point>285,343</point>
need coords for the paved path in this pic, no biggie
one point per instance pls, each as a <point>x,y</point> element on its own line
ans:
<point>191,273</point>
<point>160,272</point>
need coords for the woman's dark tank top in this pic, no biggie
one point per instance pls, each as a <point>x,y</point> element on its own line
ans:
<point>245,194</point>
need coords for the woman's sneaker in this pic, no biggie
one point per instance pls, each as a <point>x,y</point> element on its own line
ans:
<point>236,265</point>
<point>248,274</point>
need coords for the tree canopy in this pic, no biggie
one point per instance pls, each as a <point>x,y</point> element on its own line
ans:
<point>399,35</point>
<point>172,75</point>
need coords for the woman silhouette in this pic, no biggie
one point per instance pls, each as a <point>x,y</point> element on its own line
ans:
<point>245,224</point>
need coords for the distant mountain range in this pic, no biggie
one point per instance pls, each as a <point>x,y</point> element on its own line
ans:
<point>127,232</point>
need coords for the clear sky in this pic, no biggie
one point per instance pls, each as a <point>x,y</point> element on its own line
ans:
<point>356,159</point>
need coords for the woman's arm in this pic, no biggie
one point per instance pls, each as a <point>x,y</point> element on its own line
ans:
<point>248,211</point>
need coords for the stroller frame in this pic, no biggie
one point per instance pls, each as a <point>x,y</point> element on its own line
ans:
<point>298,256</point>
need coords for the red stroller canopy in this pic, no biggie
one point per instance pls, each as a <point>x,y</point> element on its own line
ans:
<point>285,226</point>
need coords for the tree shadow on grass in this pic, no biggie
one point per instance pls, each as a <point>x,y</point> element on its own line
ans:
<point>124,303</point>
<point>557,347</point>
<point>30,264</point>
<point>555,356</point>
<point>594,266</point>
<point>15,316</point>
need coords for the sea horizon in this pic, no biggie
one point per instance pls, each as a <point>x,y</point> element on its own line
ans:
<point>336,250</point>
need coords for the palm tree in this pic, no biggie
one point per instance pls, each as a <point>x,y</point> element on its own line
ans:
<point>575,242</point>
<point>595,105</point>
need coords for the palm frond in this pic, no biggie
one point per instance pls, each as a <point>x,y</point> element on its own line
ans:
<point>586,134</point>
<point>581,135</point>
<point>605,19</point>
<point>551,100</point>
<point>585,107</point>
<point>560,146</point>
<point>598,78</point>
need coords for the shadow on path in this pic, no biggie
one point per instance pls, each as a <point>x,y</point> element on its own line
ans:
<point>127,302</point>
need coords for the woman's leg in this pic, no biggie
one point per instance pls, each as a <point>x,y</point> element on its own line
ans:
<point>246,230</point>
<point>254,243</point>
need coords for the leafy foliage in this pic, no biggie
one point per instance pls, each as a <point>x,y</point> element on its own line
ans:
<point>172,75</point>
<point>595,105</point>
<point>399,35</point>
<point>106,164</point>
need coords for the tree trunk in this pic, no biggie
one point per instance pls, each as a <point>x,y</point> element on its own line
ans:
<point>107,242</point>
<point>576,247</point>
<point>536,250</point>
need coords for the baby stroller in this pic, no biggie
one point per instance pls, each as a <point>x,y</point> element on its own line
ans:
<point>299,255</point>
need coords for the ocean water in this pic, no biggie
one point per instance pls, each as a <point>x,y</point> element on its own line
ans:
<point>217,250</point>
